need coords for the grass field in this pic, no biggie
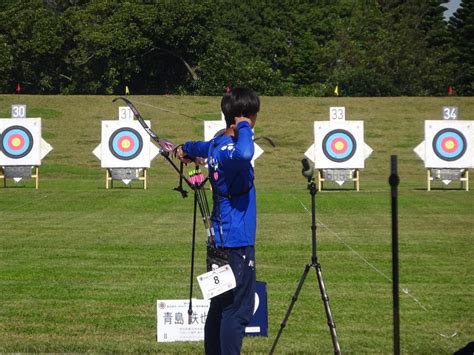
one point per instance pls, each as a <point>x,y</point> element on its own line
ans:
<point>81,267</point>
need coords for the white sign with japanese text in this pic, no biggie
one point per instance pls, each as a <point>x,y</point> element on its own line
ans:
<point>174,323</point>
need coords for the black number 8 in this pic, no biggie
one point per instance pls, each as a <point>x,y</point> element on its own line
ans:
<point>216,280</point>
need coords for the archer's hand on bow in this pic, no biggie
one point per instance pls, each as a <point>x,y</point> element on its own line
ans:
<point>180,154</point>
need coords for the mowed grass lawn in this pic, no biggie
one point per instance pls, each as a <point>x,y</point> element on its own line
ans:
<point>81,267</point>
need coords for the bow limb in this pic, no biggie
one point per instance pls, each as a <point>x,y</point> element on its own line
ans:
<point>165,145</point>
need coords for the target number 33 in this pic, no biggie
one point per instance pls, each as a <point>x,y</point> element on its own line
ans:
<point>337,113</point>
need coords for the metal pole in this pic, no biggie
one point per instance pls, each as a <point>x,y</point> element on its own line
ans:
<point>394,180</point>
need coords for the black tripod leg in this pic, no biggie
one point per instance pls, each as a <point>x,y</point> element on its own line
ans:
<point>327,308</point>
<point>293,301</point>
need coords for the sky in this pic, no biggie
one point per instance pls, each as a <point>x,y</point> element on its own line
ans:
<point>452,7</point>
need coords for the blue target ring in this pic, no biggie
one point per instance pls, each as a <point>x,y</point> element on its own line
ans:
<point>16,142</point>
<point>339,145</point>
<point>449,144</point>
<point>125,143</point>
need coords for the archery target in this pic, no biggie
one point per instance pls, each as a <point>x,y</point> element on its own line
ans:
<point>16,142</point>
<point>449,144</point>
<point>338,144</point>
<point>20,141</point>
<point>212,127</point>
<point>125,144</point>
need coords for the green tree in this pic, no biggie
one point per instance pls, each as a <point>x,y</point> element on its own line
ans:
<point>34,39</point>
<point>461,26</point>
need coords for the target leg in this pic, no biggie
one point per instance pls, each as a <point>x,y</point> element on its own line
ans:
<point>356,180</point>
<point>465,180</point>
<point>428,179</point>
<point>37,177</point>
<point>320,180</point>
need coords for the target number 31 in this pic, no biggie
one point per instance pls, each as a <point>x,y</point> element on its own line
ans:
<point>450,113</point>
<point>18,111</point>
<point>337,113</point>
<point>125,113</point>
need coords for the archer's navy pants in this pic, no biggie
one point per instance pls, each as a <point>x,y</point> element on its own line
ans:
<point>231,312</point>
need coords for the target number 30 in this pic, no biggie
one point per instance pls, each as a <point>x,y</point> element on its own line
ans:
<point>18,111</point>
<point>450,113</point>
<point>337,113</point>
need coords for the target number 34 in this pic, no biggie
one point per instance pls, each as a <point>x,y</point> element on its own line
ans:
<point>450,113</point>
<point>337,113</point>
<point>18,111</point>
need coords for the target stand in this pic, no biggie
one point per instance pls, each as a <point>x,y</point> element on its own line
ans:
<point>339,176</point>
<point>17,173</point>
<point>21,147</point>
<point>447,176</point>
<point>125,151</point>
<point>447,151</point>
<point>339,150</point>
<point>126,175</point>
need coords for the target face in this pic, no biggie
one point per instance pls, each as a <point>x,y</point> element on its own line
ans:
<point>339,145</point>
<point>20,141</point>
<point>125,143</point>
<point>17,142</point>
<point>449,144</point>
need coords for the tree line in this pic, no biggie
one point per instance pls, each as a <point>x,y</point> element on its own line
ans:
<point>279,47</point>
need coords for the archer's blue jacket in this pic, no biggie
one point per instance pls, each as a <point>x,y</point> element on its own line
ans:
<point>231,173</point>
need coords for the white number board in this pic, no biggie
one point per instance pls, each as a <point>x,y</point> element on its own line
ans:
<point>125,114</point>
<point>450,113</point>
<point>337,113</point>
<point>18,111</point>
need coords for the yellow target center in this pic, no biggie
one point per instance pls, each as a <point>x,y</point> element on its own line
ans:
<point>339,146</point>
<point>126,144</point>
<point>16,142</point>
<point>449,144</point>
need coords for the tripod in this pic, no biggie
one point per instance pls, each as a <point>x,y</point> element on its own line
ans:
<point>308,173</point>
